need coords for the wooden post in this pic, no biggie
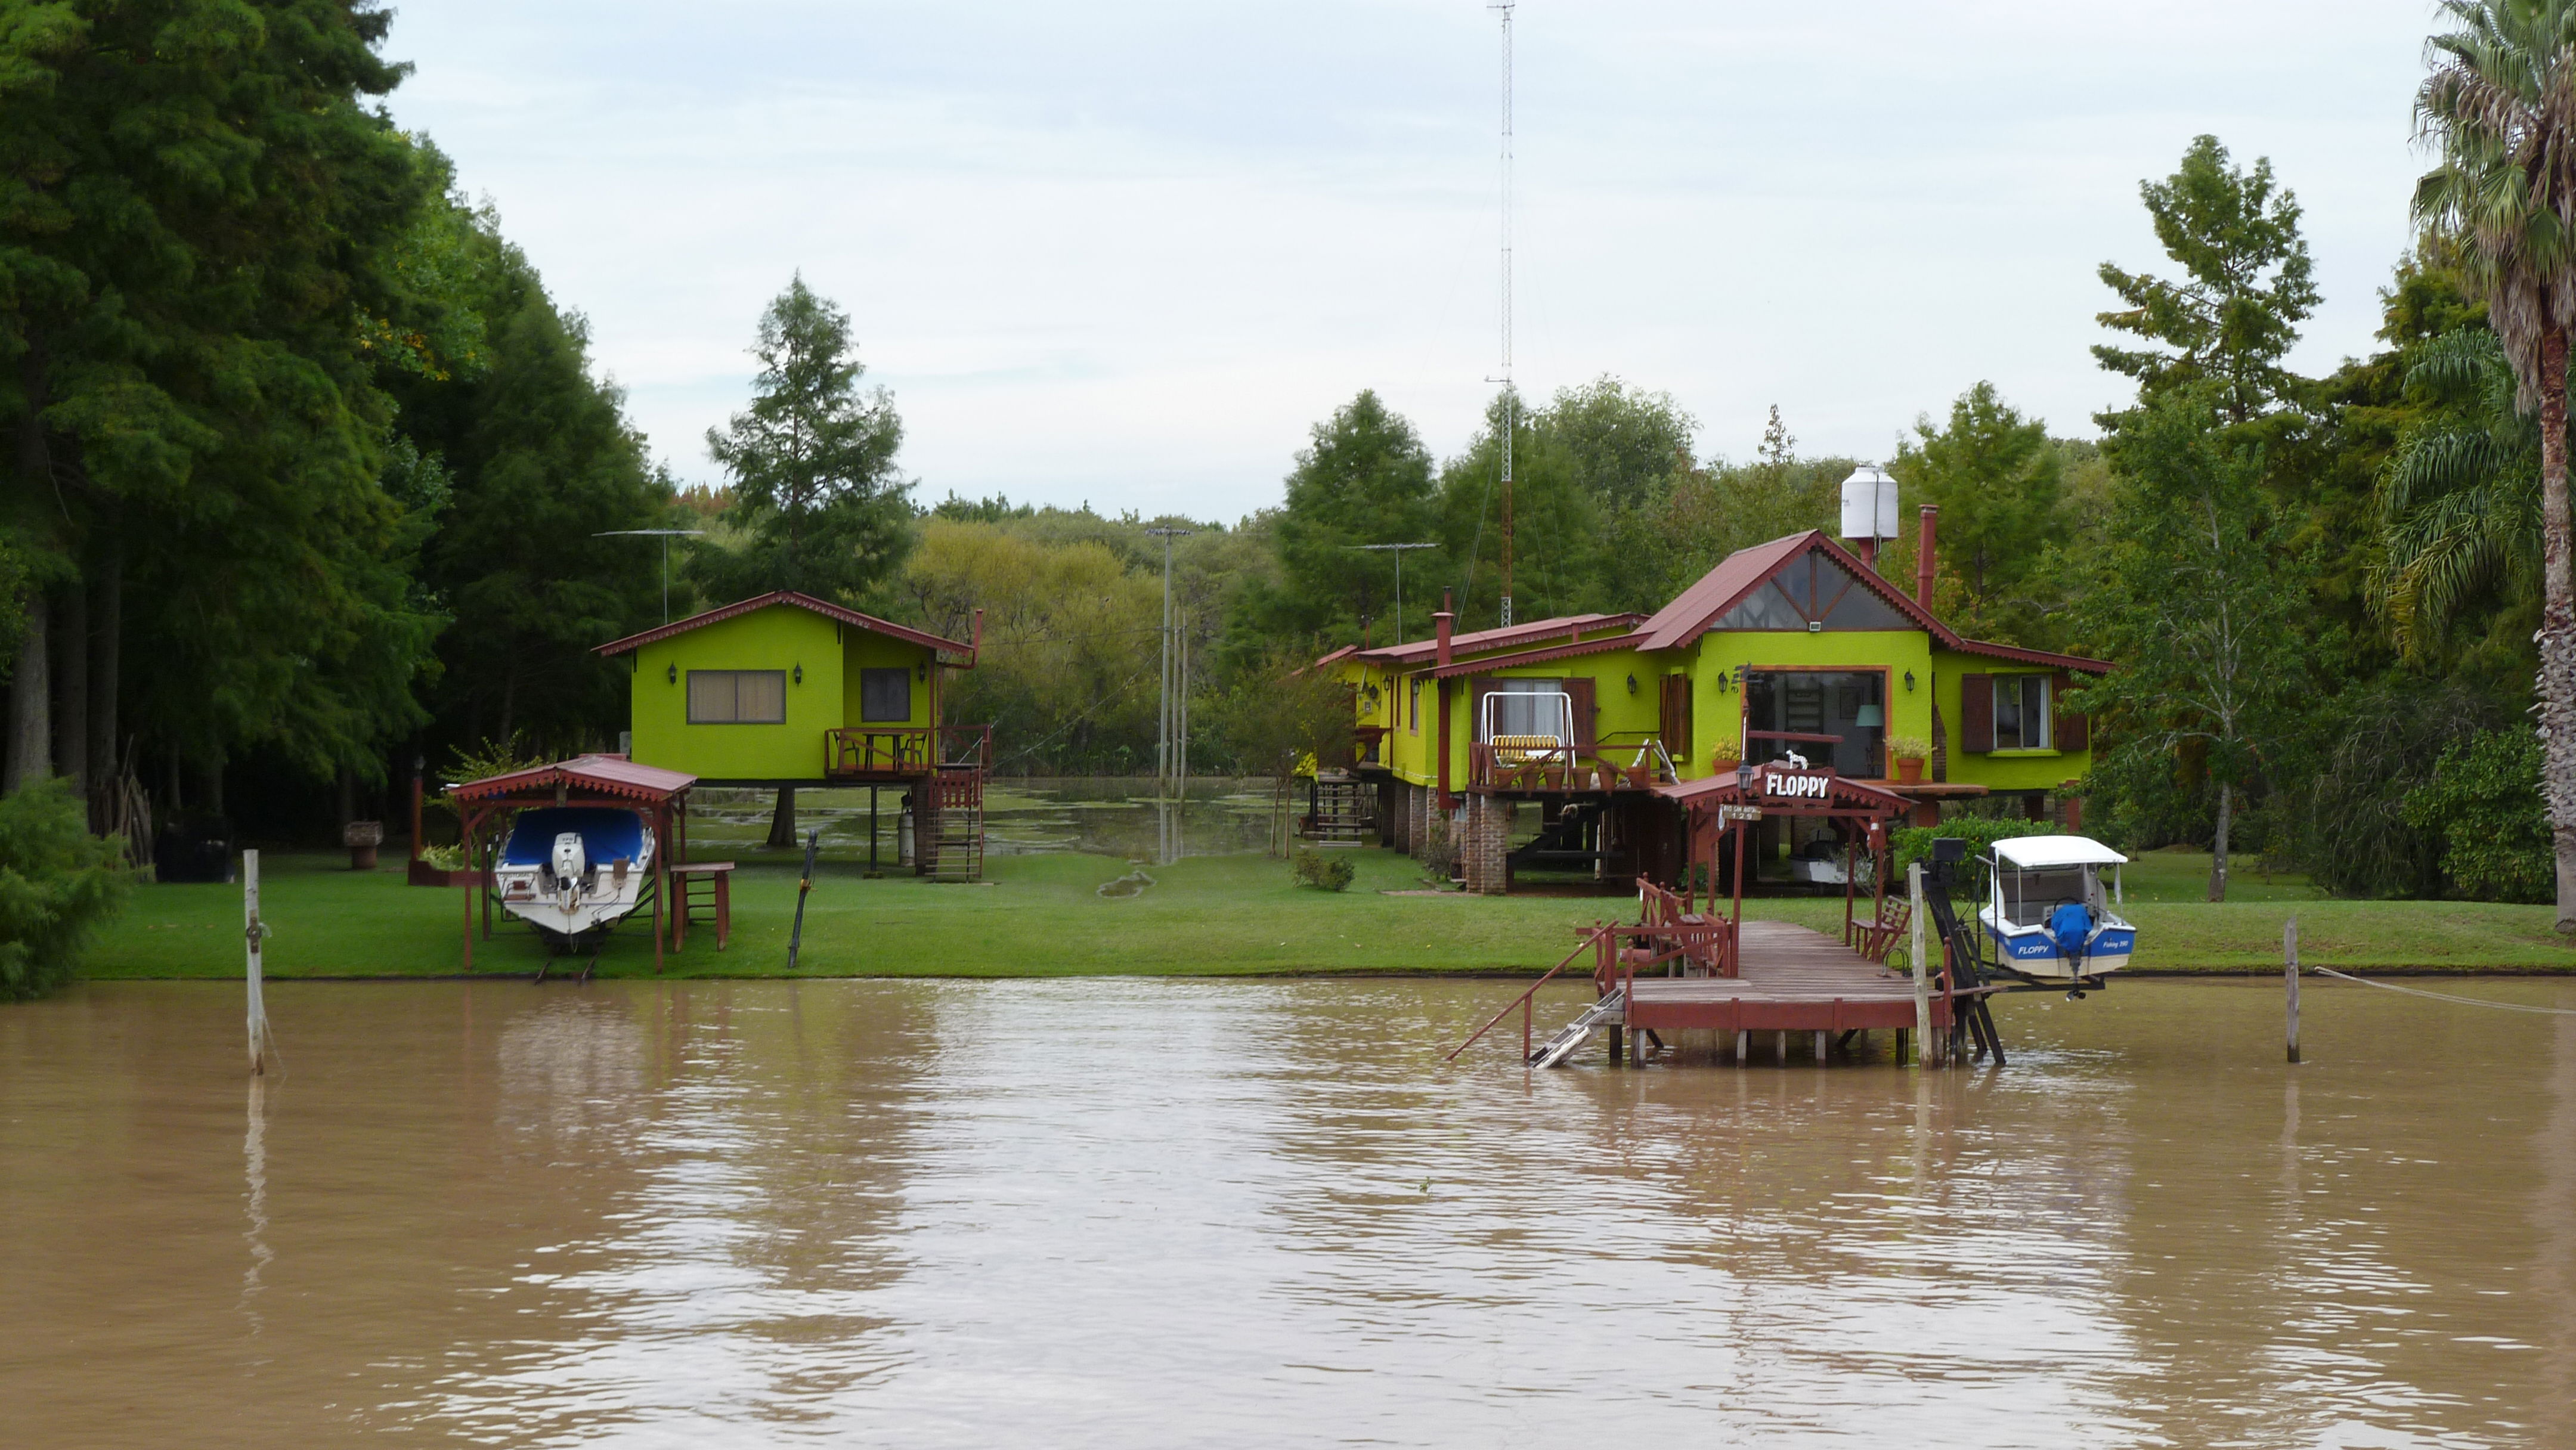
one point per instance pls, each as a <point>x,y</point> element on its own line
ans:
<point>1914,956</point>
<point>1743,1046</point>
<point>252,931</point>
<point>804,884</point>
<point>1820,1049</point>
<point>2290,978</point>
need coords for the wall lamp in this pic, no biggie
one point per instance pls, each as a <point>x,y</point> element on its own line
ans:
<point>1909,681</point>
<point>800,674</point>
<point>1632,684</point>
<point>671,673</point>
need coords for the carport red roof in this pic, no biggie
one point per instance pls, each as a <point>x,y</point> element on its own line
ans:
<point>608,775</point>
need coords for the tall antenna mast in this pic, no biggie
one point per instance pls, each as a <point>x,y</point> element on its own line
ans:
<point>1511,397</point>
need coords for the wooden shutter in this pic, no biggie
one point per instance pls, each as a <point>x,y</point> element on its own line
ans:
<point>1976,713</point>
<point>1673,715</point>
<point>1578,690</point>
<point>2070,730</point>
<point>1478,687</point>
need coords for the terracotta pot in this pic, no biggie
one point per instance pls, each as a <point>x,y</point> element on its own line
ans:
<point>1909,772</point>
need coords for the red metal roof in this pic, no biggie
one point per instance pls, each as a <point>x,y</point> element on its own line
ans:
<point>609,775</point>
<point>1485,640</point>
<point>808,602</point>
<point>1740,573</point>
<point>1602,645</point>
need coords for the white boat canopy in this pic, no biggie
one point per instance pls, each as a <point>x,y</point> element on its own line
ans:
<point>2032,853</point>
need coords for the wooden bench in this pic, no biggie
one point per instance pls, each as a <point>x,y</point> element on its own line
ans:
<point>703,882</point>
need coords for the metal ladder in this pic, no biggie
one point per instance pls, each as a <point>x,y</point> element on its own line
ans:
<point>1557,1049</point>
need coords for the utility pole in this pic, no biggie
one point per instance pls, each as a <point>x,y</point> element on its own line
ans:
<point>1398,550</point>
<point>1167,725</point>
<point>666,536</point>
<point>1511,395</point>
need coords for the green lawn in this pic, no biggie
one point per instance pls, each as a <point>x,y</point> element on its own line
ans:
<point>1219,915</point>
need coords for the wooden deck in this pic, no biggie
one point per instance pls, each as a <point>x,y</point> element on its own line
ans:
<point>1791,980</point>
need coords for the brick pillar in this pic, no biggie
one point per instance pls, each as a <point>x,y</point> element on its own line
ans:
<point>1481,852</point>
<point>1418,843</point>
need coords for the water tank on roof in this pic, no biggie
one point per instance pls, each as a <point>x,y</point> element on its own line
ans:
<point>1869,504</point>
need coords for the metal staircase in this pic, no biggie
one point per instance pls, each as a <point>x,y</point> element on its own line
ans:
<point>1611,1010</point>
<point>956,847</point>
<point>1571,842</point>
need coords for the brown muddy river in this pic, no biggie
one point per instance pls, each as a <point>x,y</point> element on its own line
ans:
<point>1126,1213</point>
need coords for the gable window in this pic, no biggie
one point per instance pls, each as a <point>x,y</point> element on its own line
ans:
<point>737,697</point>
<point>885,696</point>
<point>1813,593</point>
<point>2021,712</point>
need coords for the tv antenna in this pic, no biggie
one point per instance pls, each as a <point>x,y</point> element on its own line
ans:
<point>1398,550</point>
<point>1511,397</point>
<point>666,536</point>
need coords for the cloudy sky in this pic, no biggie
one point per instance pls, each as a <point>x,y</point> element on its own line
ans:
<point>1128,253</point>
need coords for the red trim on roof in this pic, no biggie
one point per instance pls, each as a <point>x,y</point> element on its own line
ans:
<point>2030,656</point>
<point>1415,651</point>
<point>1336,657</point>
<point>1699,607</point>
<point>807,602</point>
<point>1538,656</point>
<point>610,775</point>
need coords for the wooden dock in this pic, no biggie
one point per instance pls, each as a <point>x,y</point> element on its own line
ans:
<point>1789,979</point>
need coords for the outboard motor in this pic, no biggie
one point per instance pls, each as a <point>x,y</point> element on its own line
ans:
<point>571,864</point>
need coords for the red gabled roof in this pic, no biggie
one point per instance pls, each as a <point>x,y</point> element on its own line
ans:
<point>611,775</point>
<point>1703,604</point>
<point>1843,792</point>
<point>807,602</point>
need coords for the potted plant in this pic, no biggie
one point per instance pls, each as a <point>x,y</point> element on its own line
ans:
<point>1908,752</point>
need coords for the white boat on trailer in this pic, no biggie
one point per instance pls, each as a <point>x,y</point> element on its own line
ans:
<point>572,872</point>
<point>2048,913</point>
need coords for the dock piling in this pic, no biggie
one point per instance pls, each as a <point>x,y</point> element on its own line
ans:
<point>253,930</point>
<point>2290,979</point>
<point>1922,1041</point>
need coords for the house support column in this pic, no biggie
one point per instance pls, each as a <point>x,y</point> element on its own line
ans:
<point>1481,850</point>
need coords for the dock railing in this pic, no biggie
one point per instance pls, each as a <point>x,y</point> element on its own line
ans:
<point>1543,763</point>
<point>1594,939</point>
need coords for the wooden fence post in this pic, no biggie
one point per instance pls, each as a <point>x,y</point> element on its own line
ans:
<point>252,931</point>
<point>2290,979</point>
<point>1914,958</point>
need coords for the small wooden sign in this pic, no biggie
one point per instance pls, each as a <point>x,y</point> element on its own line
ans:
<point>1731,814</point>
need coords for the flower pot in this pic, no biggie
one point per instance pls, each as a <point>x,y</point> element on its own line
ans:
<point>1909,772</point>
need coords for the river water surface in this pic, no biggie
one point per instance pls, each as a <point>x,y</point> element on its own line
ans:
<point>1128,1213</point>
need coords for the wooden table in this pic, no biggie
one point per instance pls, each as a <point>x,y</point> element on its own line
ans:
<point>718,876</point>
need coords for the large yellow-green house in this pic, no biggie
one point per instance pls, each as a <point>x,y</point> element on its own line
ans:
<point>1791,647</point>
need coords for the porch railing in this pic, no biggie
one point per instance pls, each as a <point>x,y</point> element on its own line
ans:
<point>905,749</point>
<point>1541,762</point>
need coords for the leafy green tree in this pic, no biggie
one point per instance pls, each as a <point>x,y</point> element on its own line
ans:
<point>197,239</point>
<point>2483,805</point>
<point>1363,478</point>
<point>2505,190</point>
<point>2202,616</point>
<point>2247,284</point>
<point>817,501</point>
<point>1995,477</point>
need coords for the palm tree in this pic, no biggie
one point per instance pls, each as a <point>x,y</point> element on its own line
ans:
<point>2500,111</point>
<point>2460,499</point>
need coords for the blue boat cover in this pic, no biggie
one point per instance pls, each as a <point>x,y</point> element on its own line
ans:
<point>607,834</point>
<point>2070,924</point>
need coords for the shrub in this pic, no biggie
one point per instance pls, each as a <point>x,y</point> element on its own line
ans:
<point>2483,804</point>
<point>1914,843</point>
<point>58,884</point>
<point>1323,870</point>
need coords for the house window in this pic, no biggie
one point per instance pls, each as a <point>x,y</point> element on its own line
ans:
<point>1527,707</point>
<point>1413,707</point>
<point>1847,709</point>
<point>2021,712</point>
<point>885,696</point>
<point>737,697</point>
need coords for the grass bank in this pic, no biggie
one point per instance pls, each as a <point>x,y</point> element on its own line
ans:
<point>1208,916</point>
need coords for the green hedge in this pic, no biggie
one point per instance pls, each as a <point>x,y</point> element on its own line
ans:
<point>58,884</point>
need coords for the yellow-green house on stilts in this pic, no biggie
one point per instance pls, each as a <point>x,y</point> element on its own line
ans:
<point>786,690</point>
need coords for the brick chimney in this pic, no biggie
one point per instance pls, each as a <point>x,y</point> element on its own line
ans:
<point>1923,559</point>
<point>1440,624</point>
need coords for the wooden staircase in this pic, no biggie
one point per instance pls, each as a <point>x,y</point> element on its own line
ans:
<point>955,848</point>
<point>1342,810</point>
